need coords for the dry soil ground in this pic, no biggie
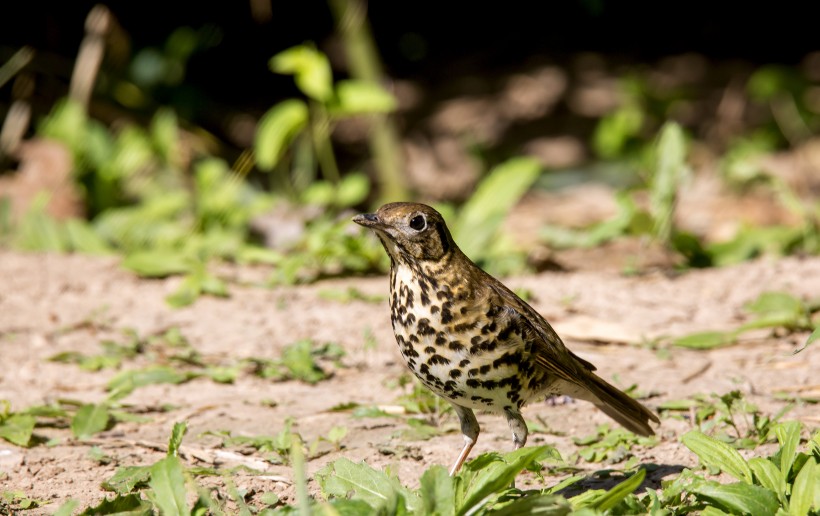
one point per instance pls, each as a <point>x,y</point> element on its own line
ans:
<point>51,304</point>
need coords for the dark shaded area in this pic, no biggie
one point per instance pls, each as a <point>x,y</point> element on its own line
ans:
<point>425,41</point>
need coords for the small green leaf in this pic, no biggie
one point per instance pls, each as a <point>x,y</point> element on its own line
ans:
<point>540,504</point>
<point>310,68</point>
<point>739,497</point>
<point>805,490</point>
<point>131,504</point>
<point>706,340</point>
<point>168,484</point>
<point>17,429</point>
<point>712,452</point>
<point>355,97</point>
<point>89,420</point>
<point>67,508</point>
<point>815,335</point>
<point>352,190</point>
<point>277,129</point>
<point>669,171</point>
<point>177,433</point>
<point>612,497</point>
<point>126,479</point>
<point>84,239</point>
<point>127,381</point>
<point>157,263</point>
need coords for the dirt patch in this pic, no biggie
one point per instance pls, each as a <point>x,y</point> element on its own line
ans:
<point>51,304</point>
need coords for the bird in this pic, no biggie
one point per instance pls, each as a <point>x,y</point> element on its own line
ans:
<point>473,341</point>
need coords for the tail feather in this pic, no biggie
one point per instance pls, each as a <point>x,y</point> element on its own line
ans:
<point>616,404</point>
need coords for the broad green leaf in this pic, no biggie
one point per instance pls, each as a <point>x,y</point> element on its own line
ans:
<point>706,340</point>
<point>497,193</point>
<point>129,505</point>
<point>310,68</point>
<point>126,479</point>
<point>343,476</point>
<point>777,309</point>
<point>769,476</point>
<point>360,97</point>
<point>712,452</point>
<point>168,484</point>
<point>483,481</point>
<point>612,497</point>
<point>540,504</point>
<point>89,420</point>
<point>806,489</point>
<point>157,263</point>
<point>739,497</point>
<point>788,435</point>
<point>437,492</point>
<point>17,429</point>
<point>177,433</point>
<point>277,129</point>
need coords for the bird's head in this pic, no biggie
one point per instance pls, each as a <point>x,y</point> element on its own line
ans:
<point>410,232</point>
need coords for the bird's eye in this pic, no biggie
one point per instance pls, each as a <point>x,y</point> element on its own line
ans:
<point>418,223</point>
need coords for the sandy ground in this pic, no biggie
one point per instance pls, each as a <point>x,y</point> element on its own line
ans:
<point>51,304</point>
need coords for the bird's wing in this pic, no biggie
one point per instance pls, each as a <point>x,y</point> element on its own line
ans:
<point>548,349</point>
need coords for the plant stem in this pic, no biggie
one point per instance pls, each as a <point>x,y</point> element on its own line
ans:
<point>363,61</point>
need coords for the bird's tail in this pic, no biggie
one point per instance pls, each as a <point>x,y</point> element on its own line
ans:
<point>616,404</point>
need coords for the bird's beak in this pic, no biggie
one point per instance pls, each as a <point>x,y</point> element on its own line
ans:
<point>368,220</point>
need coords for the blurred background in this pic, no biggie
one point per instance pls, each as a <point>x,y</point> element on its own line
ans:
<point>585,134</point>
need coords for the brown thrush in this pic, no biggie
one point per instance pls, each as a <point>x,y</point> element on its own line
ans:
<point>471,340</point>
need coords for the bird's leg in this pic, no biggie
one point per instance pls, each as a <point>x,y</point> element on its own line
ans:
<point>470,429</point>
<point>518,427</point>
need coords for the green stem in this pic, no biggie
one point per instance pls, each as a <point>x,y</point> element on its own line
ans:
<point>364,63</point>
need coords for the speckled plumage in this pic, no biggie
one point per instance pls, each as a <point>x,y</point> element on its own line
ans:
<point>470,339</point>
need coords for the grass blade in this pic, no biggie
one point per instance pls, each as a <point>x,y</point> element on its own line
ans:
<point>611,498</point>
<point>788,435</point>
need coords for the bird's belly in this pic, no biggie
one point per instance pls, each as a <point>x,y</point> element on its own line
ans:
<point>481,381</point>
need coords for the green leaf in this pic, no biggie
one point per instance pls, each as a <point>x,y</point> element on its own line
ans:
<point>487,475</point>
<point>352,190</point>
<point>437,492</point>
<point>482,215</point>
<point>157,263</point>
<point>712,452</point>
<point>168,484</point>
<point>342,477</point>
<point>706,340</point>
<point>126,381</point>
<point>17,429</point>
<point>310,68</point>
<point>277,129</point>
<point>84,239</point>
<point>815,335</point>
<point>355,97</point>
<point>89,420</point>
<point>612,497</point>
<point>769,476</point>
<point>739,497</point>
<point>788,435</point>
<point>670,171</point>
<point>805,490</point>
<point>126,479</point>
<point>66,509</point>
<point>177,433</point>
<point>165,134</point>
<point>131,504</point>
<point>540,504</point>
<point>780,308</point>
<point>299,361</point>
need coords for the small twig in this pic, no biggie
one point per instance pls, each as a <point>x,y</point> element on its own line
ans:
<point>702,369</point>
